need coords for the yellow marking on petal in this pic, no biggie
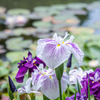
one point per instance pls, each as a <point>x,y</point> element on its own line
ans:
<point>67,44</point>
<point>44,73</point>
<point>92,81</point>
<point>58,45</point>
<point>50,77</point>
<point>34,61</point>
<point>34,64</point>
<point>26,60</point>
<point>62,41</point>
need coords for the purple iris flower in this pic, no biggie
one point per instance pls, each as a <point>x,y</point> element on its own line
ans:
<point>94,83</point>
<point>28,63</point>
<point>78,97</point>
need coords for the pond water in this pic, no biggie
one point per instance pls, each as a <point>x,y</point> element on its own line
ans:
<point>30,4</point>
<point>86,16</point>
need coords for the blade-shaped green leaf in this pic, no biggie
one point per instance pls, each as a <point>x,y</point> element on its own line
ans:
<point>10,93</point>
<point>45,98</point>
<point>78,86</point>
<point>75,97</point>
<point>59,71</point>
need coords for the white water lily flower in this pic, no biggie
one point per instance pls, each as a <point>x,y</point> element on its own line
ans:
<point>77,74</point>
<point>45,81</point>
<point>94,63</point>
<point>55,51</point>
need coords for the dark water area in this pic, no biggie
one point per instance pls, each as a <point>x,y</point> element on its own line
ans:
<point>30,4</point>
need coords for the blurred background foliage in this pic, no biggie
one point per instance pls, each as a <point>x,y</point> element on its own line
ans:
<point>22,23</point>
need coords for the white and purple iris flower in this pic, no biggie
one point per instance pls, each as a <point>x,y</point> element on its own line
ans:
<point>45,81</point>
<point>78,74</point>
<point>55,51</point>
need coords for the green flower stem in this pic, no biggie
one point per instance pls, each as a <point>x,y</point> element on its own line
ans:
<point>60,92</point>
<point>68,91</point>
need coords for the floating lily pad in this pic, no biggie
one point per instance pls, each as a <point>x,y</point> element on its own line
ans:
<point>33,46</point>
<point>42,30</point>
<point>53,12</point>
<point>18,11</point>
<point>17,56</point>
<point>76,11</point>
<point>4,71</point>
<point>4,68</point>
<point>73,21</point>
<point>17,43</point>
<point>62,18</point>
<point>20,31</point>
<point>76,5</point>
<point>39,15</point>
<point>42,24</point>
<point>41,9</point>
<point>95,25</point>
<point>47,19</point>
<point>94,5</point>
<point>82,30</point>
<point>58,7</point>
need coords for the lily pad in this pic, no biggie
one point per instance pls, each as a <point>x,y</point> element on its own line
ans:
<point>20,31</point>
<point>33,46</point>
<point>17,43</point>
<point>58,7</point>
<point>42,24</point>
<point>39,15</point>
<point>82,30</point>
<point>95,25</point>
<point>60,19</point>
<point>17,56</point>
<point>76,11</point>
<point>18,11</point>
<point>76,5</point>
<point>94,5</point>
<point>4,71</point>
<point>4,68</point>
<point>41,9</point>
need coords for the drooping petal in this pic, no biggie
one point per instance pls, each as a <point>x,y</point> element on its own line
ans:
<point>78,53</point>
<point>20,75</point>
<point>54,54</point>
